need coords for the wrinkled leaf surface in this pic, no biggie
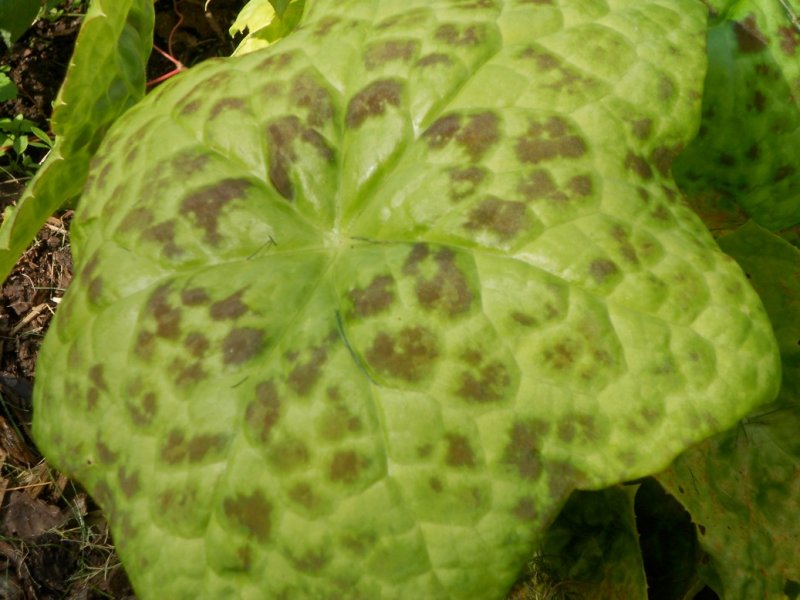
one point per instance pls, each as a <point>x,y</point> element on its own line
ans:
<point>357,312</point>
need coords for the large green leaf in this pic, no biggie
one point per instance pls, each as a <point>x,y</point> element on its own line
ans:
<point>356,313</point>
<point>748,146</point>
<point>742,487</point>
<point>106,76</point>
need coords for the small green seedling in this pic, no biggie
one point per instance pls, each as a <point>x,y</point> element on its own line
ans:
<point>17,137</point>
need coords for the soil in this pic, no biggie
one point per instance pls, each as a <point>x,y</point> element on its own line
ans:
<point>54,541</point>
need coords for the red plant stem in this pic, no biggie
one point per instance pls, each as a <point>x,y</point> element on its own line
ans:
<point>169,54</point>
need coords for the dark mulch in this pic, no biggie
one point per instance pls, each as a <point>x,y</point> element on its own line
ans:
<point>54,541</point>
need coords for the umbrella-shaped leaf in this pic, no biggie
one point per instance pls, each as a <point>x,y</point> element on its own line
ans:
<point>357,312</point>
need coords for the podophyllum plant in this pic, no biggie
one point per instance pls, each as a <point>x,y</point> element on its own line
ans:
<point>355,314</point>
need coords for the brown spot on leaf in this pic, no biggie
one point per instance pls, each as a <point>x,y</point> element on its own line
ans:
<point>448,290</point>
<point>749,37</point>
<point>137,219</point>
<point>464,181</point>
<point>783,172</point>
<point>454,34</point>
<point>168,318</point>
<point>642,128</point>
<point>481,132</point>
<point>337,422</point>
<point>436,484</point>
<point>251,512</point>
<point>178,448</point>
<point>303,494</point>
<point>545,61</point>
<point>282,135</point>
<point>625,246</point>
<point>562,355</point>
<point>490,383</point>
<point>759,101</point>
<point>790,39</point>
<point>104,454</point>
<point>418,254</point>
<point>197,344</point>
<point>188,163</point>
<point>526,509</point>
<point>308,93</point>
<point>190,108</point>
<point>375,298</point>
<point>263,413</point>
<point>305,375</point>
<point>602,269</point>
<point>522,451</point>
<point>95,291</point>
<point>313,561</point>
<point>164,234</point>
<point>548,140</point>
<point>194,296</point>
<point>436,58</point>
<point>97,377</point>
<point>409,355</point>
<point>277,62</point>
<point>346,466</point>
<point>325,25</point>
<point>538,184</point>
<point>142,414</point>
<point>227,104</point>
<point>666,89</point>
<point>241,345</point>
<point>231,307</point>
<point>581,185</point>
<point>92,398</point>
<point>373,100</point>
<point>129,484</point>
<point>205,205</point>
<point>442,131</point>
<point>502,217</point>
<point>664,156</point>
<point>637,164</point>
<point>459,451</point>
<point>523,319</point>
<point>380,53</point>
<point>189,374</point>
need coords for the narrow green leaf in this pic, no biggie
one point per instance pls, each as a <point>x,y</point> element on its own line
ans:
<point>106,76</point>
<point>741,487</point>
<point>42,135</point>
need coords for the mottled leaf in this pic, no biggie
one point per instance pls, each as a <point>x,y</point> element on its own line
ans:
<point>748,145</point>
<point>742,487</point>
<point>394,288</point>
